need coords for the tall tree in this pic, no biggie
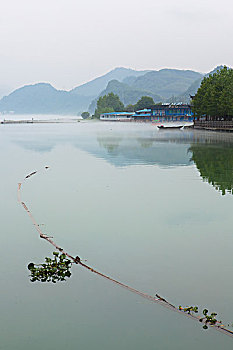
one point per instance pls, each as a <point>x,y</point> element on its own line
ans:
<point>108,103</point>
<point>144,102</point>
<point>215,95</point>
<point>85,115</point>
<point>130,108</point>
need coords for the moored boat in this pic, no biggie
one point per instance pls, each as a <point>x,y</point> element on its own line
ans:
<point>170,126</point>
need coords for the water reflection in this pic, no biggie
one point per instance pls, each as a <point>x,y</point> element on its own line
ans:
<point>112,216</point>
<point>143,150</point>
<point>215,164</point>
<point>110,143</point>
<point>120,146</point>
<point>125,145</point>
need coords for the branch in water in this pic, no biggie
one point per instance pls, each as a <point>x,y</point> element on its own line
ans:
<point>77,260</point>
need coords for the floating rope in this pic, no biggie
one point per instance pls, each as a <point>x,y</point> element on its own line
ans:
<point>159,300</point>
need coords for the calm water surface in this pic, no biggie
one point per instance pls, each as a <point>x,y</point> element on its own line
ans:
<point>150,208</point>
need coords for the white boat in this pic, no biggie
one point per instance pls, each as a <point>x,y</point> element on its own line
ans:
<point>172,125</point>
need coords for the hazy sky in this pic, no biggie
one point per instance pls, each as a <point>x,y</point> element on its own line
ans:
<point>68,42</point>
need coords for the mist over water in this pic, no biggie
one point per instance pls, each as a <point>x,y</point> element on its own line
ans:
<point>150,208</point>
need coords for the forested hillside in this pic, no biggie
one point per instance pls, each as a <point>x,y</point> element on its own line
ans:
<point>166,82</point>
<point>160,85</point>
<point>192,89</point>
<point>95,87</point>
<point>127,94</point>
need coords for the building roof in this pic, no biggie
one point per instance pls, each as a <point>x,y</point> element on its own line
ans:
<point>144,110</point>
<point>170,105</point>
<point>142,115</point>
<point>118,113</point>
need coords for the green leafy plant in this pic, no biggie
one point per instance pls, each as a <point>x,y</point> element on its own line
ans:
<point>189,309</point>
<point>209,319</point>
<point>52,270</point>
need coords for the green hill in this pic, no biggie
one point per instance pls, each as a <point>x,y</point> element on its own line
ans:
<point>42,98</point>
<point>95,87</point>
<point>127,94</point>
<point>192,89</point>
<point>166,82</point>
<point>163,85</point>
<point>160,85</point>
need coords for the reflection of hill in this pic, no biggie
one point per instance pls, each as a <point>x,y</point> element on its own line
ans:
<point>215,164</point>
<point>124,153</point>
<point>123,145</point>
<point>143,151</point>
<point>120,146</point>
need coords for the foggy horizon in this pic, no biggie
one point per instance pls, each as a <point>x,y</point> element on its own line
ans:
<point>67,43</point>
<point>11,89</point>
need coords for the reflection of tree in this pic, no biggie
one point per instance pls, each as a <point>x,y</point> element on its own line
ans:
<point>109,143</point>
<point>145,143</point>
<point>215,164</point>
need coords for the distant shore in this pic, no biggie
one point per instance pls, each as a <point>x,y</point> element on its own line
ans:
<point>40,121</point>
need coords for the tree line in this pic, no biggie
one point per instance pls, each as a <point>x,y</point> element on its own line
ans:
<point>214,98</point>
<point>112,103</point>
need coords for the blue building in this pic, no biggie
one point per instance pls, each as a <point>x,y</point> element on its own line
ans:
<point>142,115</point>
<point>165,112</point>
<point>161,113</point>
<point>117,116</point>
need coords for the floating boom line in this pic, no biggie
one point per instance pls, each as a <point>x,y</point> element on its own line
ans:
<point>78,261</point>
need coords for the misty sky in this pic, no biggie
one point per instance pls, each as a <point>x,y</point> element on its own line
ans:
<point>68,42</point>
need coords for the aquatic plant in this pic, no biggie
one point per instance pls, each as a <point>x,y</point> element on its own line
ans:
<point>52,270</point>
<point>209,319</point>
<point>189,309</point>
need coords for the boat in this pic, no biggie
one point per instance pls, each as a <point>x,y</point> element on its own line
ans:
<point>170,126</point>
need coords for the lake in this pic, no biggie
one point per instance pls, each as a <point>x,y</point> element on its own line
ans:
<point>152,209</point>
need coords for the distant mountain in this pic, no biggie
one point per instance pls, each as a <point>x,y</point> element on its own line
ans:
<point>42,98</point>
<point>192,89</point>
<point>4,90</point>
<point>214,70</point>
<point>129,80</point>
<point>128,95</point>
<point>129,84</point>
<point>166,82</point>
<point>160,85</point>
<point>94,87</point>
